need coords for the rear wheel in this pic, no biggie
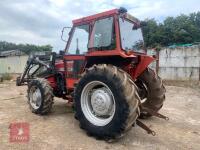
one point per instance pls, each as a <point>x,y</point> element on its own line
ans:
<point>106,102</point>
<point>40,96</point>
<point>151,91</point>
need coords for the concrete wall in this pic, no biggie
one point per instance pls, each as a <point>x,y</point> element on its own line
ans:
<point>12,64</point>
<point>182,63</point>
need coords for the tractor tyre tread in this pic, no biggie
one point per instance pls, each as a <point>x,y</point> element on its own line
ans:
<point>156,92</point>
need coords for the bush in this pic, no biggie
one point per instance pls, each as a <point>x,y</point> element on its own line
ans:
<point>6,76</point>
<point>1,78</point>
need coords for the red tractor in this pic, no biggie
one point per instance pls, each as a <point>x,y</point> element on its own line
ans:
<point>103,71</point>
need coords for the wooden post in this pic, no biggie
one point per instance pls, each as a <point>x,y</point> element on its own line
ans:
<point>157,61</point>
<point>199,73</point>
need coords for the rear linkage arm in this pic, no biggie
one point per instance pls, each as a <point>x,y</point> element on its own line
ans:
<point>153,113</point>
<point>145,127</point>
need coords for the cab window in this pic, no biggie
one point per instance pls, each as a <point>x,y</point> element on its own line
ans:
<point>131,36</point>
<point>79,41</point>
<point>102,36</point>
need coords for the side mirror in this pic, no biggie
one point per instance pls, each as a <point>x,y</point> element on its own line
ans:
<point>63,33</point>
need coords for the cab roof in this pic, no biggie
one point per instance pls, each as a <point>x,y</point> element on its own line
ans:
<point>112,12</point>
<point>99,15</point>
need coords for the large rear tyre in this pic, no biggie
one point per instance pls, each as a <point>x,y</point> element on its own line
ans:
<point>40,96</point>
<point>151,91</point>
<point>106,102</point>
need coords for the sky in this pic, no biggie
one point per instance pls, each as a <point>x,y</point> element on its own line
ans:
<point>40,21</point>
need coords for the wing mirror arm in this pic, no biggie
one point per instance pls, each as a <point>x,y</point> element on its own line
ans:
<point>63,30</point>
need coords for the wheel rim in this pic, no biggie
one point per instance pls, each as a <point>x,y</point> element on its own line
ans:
<point>35,97</point>
<point>98,103</point>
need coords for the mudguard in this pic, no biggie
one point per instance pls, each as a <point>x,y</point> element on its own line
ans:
<point>144,62</point>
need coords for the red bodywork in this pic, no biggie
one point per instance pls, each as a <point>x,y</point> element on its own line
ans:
<point>65,66</point>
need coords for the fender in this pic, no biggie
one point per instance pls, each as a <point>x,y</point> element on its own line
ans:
<point>143,64</point>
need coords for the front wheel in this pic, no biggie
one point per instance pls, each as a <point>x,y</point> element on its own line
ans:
<point>18,81</point>
<point>106,102</point>
<point>40,96</point>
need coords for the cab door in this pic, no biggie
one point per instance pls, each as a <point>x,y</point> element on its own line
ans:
<point>75,54</point>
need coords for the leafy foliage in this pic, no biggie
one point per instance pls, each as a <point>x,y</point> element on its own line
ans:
<point>180,30</point>
<point>26,48</point>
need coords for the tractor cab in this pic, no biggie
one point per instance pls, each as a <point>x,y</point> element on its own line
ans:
<point>113,32</point>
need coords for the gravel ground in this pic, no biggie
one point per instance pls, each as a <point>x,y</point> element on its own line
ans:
<point>59,130</point>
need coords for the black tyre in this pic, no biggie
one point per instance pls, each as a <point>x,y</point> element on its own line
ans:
<point>40,96</point>
<point>18,81</point>
<point>106,102</point>
<point>151,90</point>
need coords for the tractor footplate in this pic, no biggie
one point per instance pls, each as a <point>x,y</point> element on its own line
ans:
<point>154,113</point>
<point>146,128</point>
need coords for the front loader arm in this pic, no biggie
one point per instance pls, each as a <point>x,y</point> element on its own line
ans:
<point>31,62</point>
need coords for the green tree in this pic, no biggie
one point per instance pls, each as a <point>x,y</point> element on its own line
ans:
<point>174,30</point>
<point>26,48</point>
